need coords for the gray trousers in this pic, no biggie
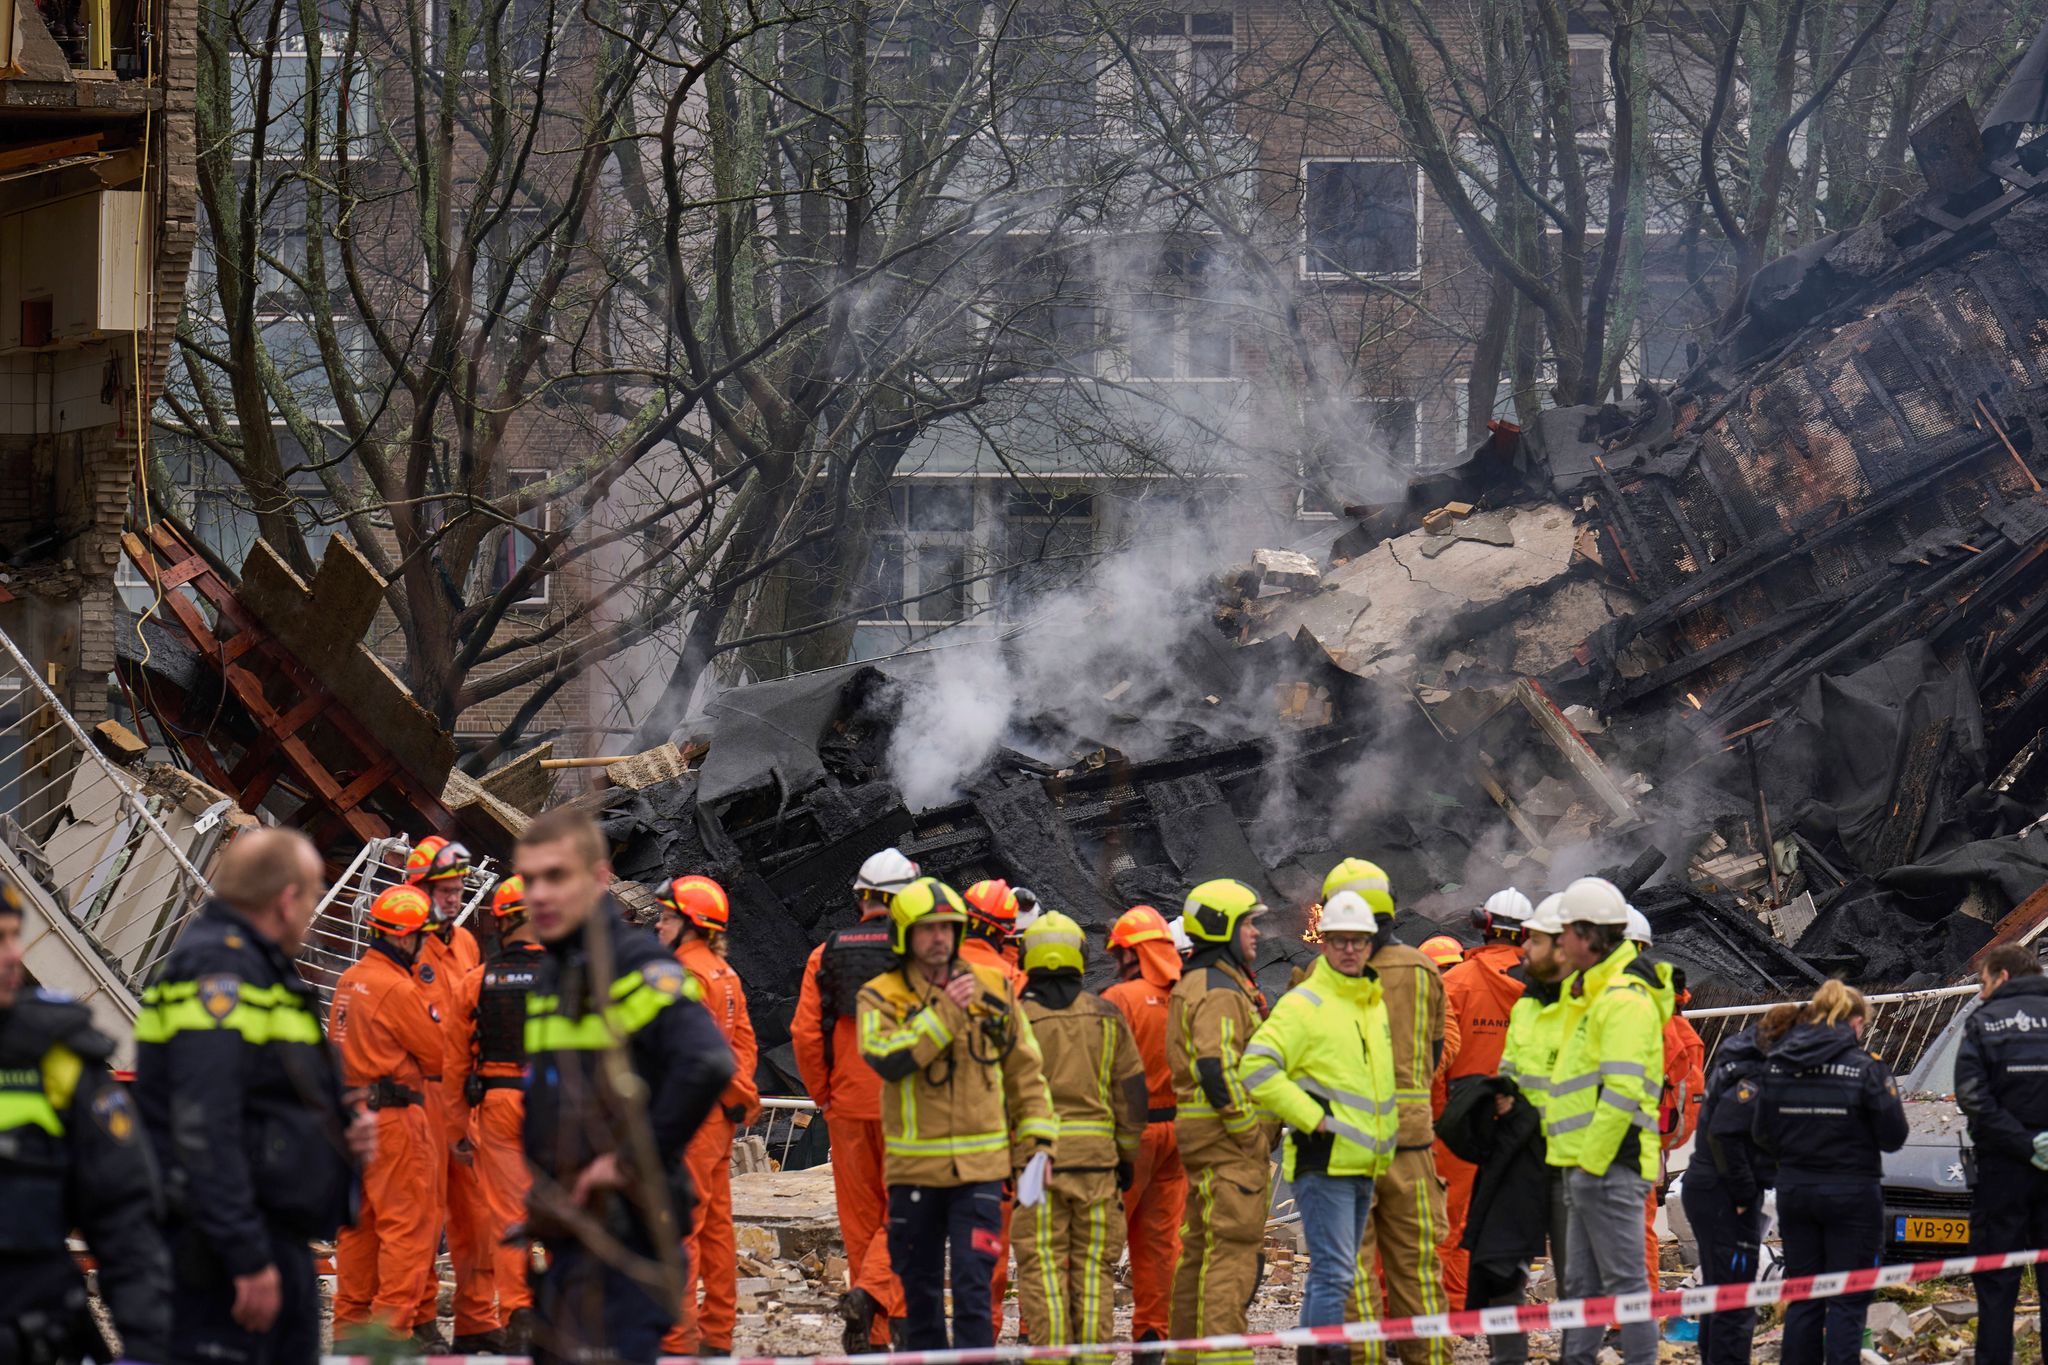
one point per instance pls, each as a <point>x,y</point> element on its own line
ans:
<point>1512,1348</point>
<point>1604,1255</point>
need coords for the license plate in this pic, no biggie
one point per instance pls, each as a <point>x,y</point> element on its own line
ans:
<point>1907,1228</point>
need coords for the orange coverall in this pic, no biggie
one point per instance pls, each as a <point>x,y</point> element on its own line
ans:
<point>458,1200</point>
<point>381,1025</point>
<point>849,1093</point>
<point>1685,1087</point>
<point>1478,993</point>
<point>501,1174</point>
<point>709,1255</point>
<point>1156,1200</point>
<point>982,953</point>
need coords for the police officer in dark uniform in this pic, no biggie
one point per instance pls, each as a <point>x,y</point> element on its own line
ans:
<point>606,1164</point>
<point>72,1155</point>
<point>1828,1111</point>
<point>2002,1086</point>
<point>241,1096</point>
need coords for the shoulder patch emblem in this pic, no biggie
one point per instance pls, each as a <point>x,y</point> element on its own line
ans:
<point>218,994</point>
<point>232,941</point>
<point>427,973</point>
<point>1744,1091</point>
<point>114,1111</point>
<point>666,977</point>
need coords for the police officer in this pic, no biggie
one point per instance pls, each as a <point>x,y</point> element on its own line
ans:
<point>2002,1086</point>
<point>624,1065</point>
<point>1828,1112</point>
<point>241,1097</point>
<point>848,1093</point>
<point>71,1156</point>
<point>494,1001</point>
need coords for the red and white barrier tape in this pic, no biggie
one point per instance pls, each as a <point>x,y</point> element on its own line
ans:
<point>1533,1317</point>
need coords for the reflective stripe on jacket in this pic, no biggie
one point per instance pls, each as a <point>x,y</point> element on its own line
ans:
<point>1535,1033</point>
<point>1415,999</point>
<point>1327,1050</point>
<point>1211,1015</point>
<point>963,1091</point>
<point>1609,1073</point>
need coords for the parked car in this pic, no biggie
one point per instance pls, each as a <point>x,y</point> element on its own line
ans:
<point>1926,1182</point>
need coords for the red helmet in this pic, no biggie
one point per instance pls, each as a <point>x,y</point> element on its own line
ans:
<point>400,909</point>
<point>701,901</point>
<point>435,859</point>
<point>992,905</point>
<point>1443,950</point>
<point>1139,924</point>
<point>509,898</point>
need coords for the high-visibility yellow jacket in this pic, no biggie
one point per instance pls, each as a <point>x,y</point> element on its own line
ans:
<point>1609,1072</point>
<point>1210,1016</point>
<point>1415,998</point>
<point>1327,1052</point>
<point>963,1091</point>
<point>1535,1033</point>
<point>1094,1075</point>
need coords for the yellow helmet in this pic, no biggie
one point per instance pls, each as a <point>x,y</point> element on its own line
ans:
<point>1215,909</point>
<point>1369,880</point>
<point>926,900</point>
<point>1051,943</point>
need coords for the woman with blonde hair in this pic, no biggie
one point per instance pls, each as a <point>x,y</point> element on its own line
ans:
<point>1828,1111</point>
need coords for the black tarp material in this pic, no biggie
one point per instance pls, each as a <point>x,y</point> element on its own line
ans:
<point>769,733</point>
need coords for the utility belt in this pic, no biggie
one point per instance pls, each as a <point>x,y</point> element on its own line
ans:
<point>386,1093</point>
<point>476,1086</point>
<point>53,1334</point>
<point>1163,1113</point>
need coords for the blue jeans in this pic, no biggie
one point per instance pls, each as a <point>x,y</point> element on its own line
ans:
<point>1334,1211</point>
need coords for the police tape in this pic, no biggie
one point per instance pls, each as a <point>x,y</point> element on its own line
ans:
<point>1604,1312</point>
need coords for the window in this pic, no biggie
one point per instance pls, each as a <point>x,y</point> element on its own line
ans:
<point>520,32</point>
<point>1362,218</point>
<point>1049,537</point>
<point>1189,62</point>
<point>1048,314</point>
<point>1176,331</point>
<point>1384,439</point>
<point>1592,102</point>
<point>1051,81</point>
<point>223,514</point>
<point>507,550</point>
<point>512,251</point>
<point>922,552</point>
<point>342,114</point>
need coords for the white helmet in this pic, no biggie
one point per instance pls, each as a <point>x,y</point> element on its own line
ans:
<point>1638,930</point>
<point>1507,909</point>
<point>1594,900</point>
<point>1545,919</point>
<point>1181,942</point>
<point>886,872</point>
<point>1028,908</point>
<point>1346,913</point>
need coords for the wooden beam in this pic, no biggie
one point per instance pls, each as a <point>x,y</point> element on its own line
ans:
<point>14,158</point>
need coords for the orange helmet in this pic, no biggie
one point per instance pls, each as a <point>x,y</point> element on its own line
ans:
<point>1139,924</point>
<point>434,859</point>
<point>1443,950</point>
<point>509,898</point>
<point>400,909</point>
<point>992,905</point>
<point>701,901</point>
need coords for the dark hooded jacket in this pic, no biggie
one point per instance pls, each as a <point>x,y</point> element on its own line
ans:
<point>1827,1110</point>
<point>1509,1218</point>
<point>2002,1069</point>
<point>1727,1114</point>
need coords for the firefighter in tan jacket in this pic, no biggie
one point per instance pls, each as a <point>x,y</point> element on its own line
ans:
<point>964,1108</point>
<point>1408,1214</point>
<point>1225,1143</point>
<point>1067,1246</point>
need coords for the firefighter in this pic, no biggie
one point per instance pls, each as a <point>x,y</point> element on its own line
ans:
<point>965,1108</point>
<point>1685,1081</point>
<point>1407,1220</point>
<point>826,1039</point>
<point>392,1050</point>
<point>1224,1143</point>
<point>2002,1086</point>
<point>493,1000</point>
<point>1445,951</point>
<point>606,1149</point>
<point>1068,1244</point>
<point>1600,1121</point>
<point>448,954</point>
<point>1478,993</point>
<point>991,929</point>
<point>72,1155</point>
<point>242,1102</point>
<point>1149,966</point>
<point>1323,1062</point>
<point>694,915</point>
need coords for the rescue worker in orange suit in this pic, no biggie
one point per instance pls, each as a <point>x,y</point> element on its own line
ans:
<point>989,942</point>
<point>826,1036</point>
<point>448,954</point>
<point>493,1000</point>
<point>1149,965</point>
<point>1478,993</point>
<point>1685,1080</point>
<point>391,1048</point>
<point>694,915</point>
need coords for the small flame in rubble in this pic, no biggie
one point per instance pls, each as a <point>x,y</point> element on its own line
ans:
<point>1695,702</point>
<point>1314,933</point>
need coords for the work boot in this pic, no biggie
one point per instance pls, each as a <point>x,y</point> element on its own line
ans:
<point>899,1335</point>
<point>478,1344</point>
<point>858,1308</point>
<point>427,1339</point>
<point>518,1331</point>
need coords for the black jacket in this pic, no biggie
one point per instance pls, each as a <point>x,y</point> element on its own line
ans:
<point>241,1095</point>
<point>672,1044</point>
<point>1509,1218</point>
<point>94,1174</point>
<point>1727,1114</point>
<point>2002,1069</point>
<point>1827,1109</point>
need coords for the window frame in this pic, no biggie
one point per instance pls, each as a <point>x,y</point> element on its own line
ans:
<point>1307,267</point>
<point>545,588</point>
